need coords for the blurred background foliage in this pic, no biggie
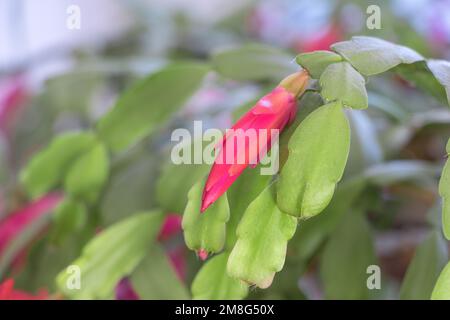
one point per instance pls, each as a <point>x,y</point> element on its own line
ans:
<point>386,210</point>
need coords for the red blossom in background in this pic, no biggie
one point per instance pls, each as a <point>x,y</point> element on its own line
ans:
<point>170,228</point>
<point>321,40</point>
<point>273,111</point>
<point>12,95</point>
<point>16,222</point>
<point>7,292</point>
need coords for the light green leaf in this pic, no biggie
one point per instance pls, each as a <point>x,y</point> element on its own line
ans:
<point>155,278</point>
<point>312,233</point>
<point>87,175</point>
<point>441,70</point>
<point>441,290</point>
<point>346,256</point>
<point>253,62</point>
<point>47,168</point>
<point>205,230</point>
<point>148,103</point>
<point>444,192</point>
<point>318,151</point>
<point>372,55</point>
<point>112,254</point>
<point>340,81</point>
<point>309,102</point>
<point>69,216</point>
<point>316,62</point>
<point>423,271</point>
<point>213,283</point>
<point>262,237</point>
<point>241,193</point>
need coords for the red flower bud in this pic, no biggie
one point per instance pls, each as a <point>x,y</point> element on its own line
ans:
<point>272,112</point>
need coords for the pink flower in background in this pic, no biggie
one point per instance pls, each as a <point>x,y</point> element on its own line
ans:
<point>177,257</point>
<point>16,222</point>
<point>321,40</point>
<point>12,95</point>
<point>125,291</point>
<point>273,111</point>
<point>7,292</point>
<point>170,227</point>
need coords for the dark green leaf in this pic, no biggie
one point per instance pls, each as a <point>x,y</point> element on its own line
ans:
<point>253,63</point>
<point>346,256</point>
<point>174,183</point>
<point>441,70</point>
<point>419,74</point>
<point>424,269</point>
<point>111,255</point>
<point>149,103</point>
<point>155,278</point>
<point>130,189</point>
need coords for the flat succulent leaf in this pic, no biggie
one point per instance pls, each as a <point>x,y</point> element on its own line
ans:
<point>318,151</point>
<point>345,259</point>
<point>424,269</point>
<point>155,278</point>
<point>372,56</point>
<point>421,76</point>
<point>111,255</point>
<point>444,192</point>
<point>213,283</point>
<point>149,103</point>
<point>317,61</point>
<point>47,168</point>
<point>205,230</point>
<point>441,290</point>
<point>241,193</point>
<point>88,173</point>
<point>262,237</point>
<point>69,217</point>
<point>312,233</point>
<point>309,102</point>
<point>340,81</point>
<point>441,70</point>
<point>253,62</point>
